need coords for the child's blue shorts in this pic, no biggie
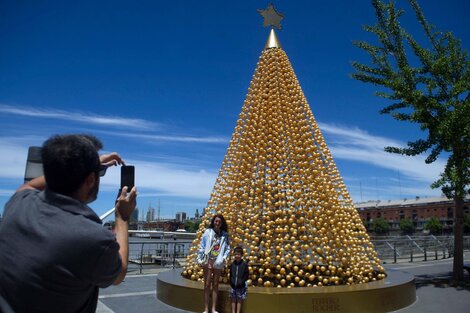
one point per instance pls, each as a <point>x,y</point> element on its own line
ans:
<point>238,294</point>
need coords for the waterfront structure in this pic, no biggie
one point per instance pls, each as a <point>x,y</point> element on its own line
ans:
<point>164,225</point>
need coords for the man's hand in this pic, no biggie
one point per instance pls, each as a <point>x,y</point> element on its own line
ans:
<point>111,159</point>
<point>125,203</point>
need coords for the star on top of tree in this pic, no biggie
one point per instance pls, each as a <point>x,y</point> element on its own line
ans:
<point>271,17</point>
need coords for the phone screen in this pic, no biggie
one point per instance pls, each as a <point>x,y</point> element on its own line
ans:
<point>127,176</point>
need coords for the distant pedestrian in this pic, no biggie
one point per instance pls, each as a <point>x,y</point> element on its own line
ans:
<point>54,252</point>
<point>238,280</point>
<point>214,250</point>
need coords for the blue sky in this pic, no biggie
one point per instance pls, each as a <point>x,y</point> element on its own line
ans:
<point>163,82</point>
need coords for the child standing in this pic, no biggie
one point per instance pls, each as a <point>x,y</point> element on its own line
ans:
<point>238,280</point>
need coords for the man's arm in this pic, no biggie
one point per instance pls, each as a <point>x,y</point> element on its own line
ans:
<point>125,205</point>
<point>38,183</point>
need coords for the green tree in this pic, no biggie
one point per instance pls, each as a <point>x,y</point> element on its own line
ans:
<point>428,85</point>
<point>191,226</point>
<point>434,226</point>
<point>380,226</point>
<point>406,226</point>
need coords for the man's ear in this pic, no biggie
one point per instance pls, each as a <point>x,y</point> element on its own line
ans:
<point>83,193</point>
<point>90,180</point>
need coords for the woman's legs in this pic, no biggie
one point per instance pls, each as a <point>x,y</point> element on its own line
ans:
<point>234,306</point>
<point>215,288</point>
<point>207,287</point>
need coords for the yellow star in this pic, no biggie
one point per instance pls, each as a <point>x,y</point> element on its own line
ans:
<point>271,17</point>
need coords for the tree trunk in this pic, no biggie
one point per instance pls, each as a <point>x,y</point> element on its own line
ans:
<point>458,239</point>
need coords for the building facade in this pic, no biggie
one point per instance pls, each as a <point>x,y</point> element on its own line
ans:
<point>181,216</point>
<point>418,210</point>
<point>150,214</point>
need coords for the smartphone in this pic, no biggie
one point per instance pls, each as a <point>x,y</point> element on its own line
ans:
<point>127,176</point>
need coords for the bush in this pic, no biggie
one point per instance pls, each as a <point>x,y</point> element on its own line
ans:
<point>380,226</point>
<point>407,227</point>
<point>434,226</point>
<point>191,226</point>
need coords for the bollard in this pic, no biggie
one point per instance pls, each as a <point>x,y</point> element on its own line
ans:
<point>425,254</point>
<point>435,252</point>
<point>394,253</point>
<point>411,254</point>
<point>141,258</point>
<point>174,251</point>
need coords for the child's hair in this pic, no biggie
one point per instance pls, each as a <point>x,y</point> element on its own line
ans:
<point>238,249</point>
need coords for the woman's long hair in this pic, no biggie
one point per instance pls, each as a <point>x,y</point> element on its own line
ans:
<point>223,227</point>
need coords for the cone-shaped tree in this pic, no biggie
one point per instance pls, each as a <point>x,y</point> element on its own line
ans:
<point>282,195</point>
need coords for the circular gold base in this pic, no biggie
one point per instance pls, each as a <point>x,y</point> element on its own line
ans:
<point>392,293</point>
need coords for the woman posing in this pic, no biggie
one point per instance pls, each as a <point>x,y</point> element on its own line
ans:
<point>213,250</point>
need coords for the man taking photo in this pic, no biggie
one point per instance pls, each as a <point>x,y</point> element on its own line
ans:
<point>54,252</point>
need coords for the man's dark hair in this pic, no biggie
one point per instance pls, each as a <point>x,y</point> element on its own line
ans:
<point>238,249</point>
<point>68,159</point>
<point>94,141</point>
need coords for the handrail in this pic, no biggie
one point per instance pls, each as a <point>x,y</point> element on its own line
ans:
<point>414,242</point>
<point>159,253</point>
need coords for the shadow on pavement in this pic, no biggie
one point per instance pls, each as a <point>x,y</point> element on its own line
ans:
<point>442,280</point>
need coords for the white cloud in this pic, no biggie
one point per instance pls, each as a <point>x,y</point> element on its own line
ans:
<point>186,178</point>
<point>387,192</point>
<point>86,118</point>
<point>356,145</point>
<point>116,121</point>
<point>167,179</point>
<point>183,180</point>
<point>171,138</point>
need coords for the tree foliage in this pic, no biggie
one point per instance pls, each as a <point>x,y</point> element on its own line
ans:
<point>434,226</point>
<point>191,226</point>
<point>406,226</point>
<point>430,88</point>
<point>380,226</point>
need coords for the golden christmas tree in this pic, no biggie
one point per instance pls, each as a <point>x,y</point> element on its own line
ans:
<point>281,193</point>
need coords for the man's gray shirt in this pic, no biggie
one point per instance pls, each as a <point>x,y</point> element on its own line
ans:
<point>54,254</point>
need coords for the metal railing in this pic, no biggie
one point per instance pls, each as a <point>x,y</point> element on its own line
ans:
<point>158,253</point>
<point>411,248</point>
<point>162,253</point>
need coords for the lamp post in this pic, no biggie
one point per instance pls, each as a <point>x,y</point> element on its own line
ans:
<point>174,251</point>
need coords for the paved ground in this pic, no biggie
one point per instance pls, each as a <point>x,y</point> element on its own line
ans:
<point>434,290</point>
